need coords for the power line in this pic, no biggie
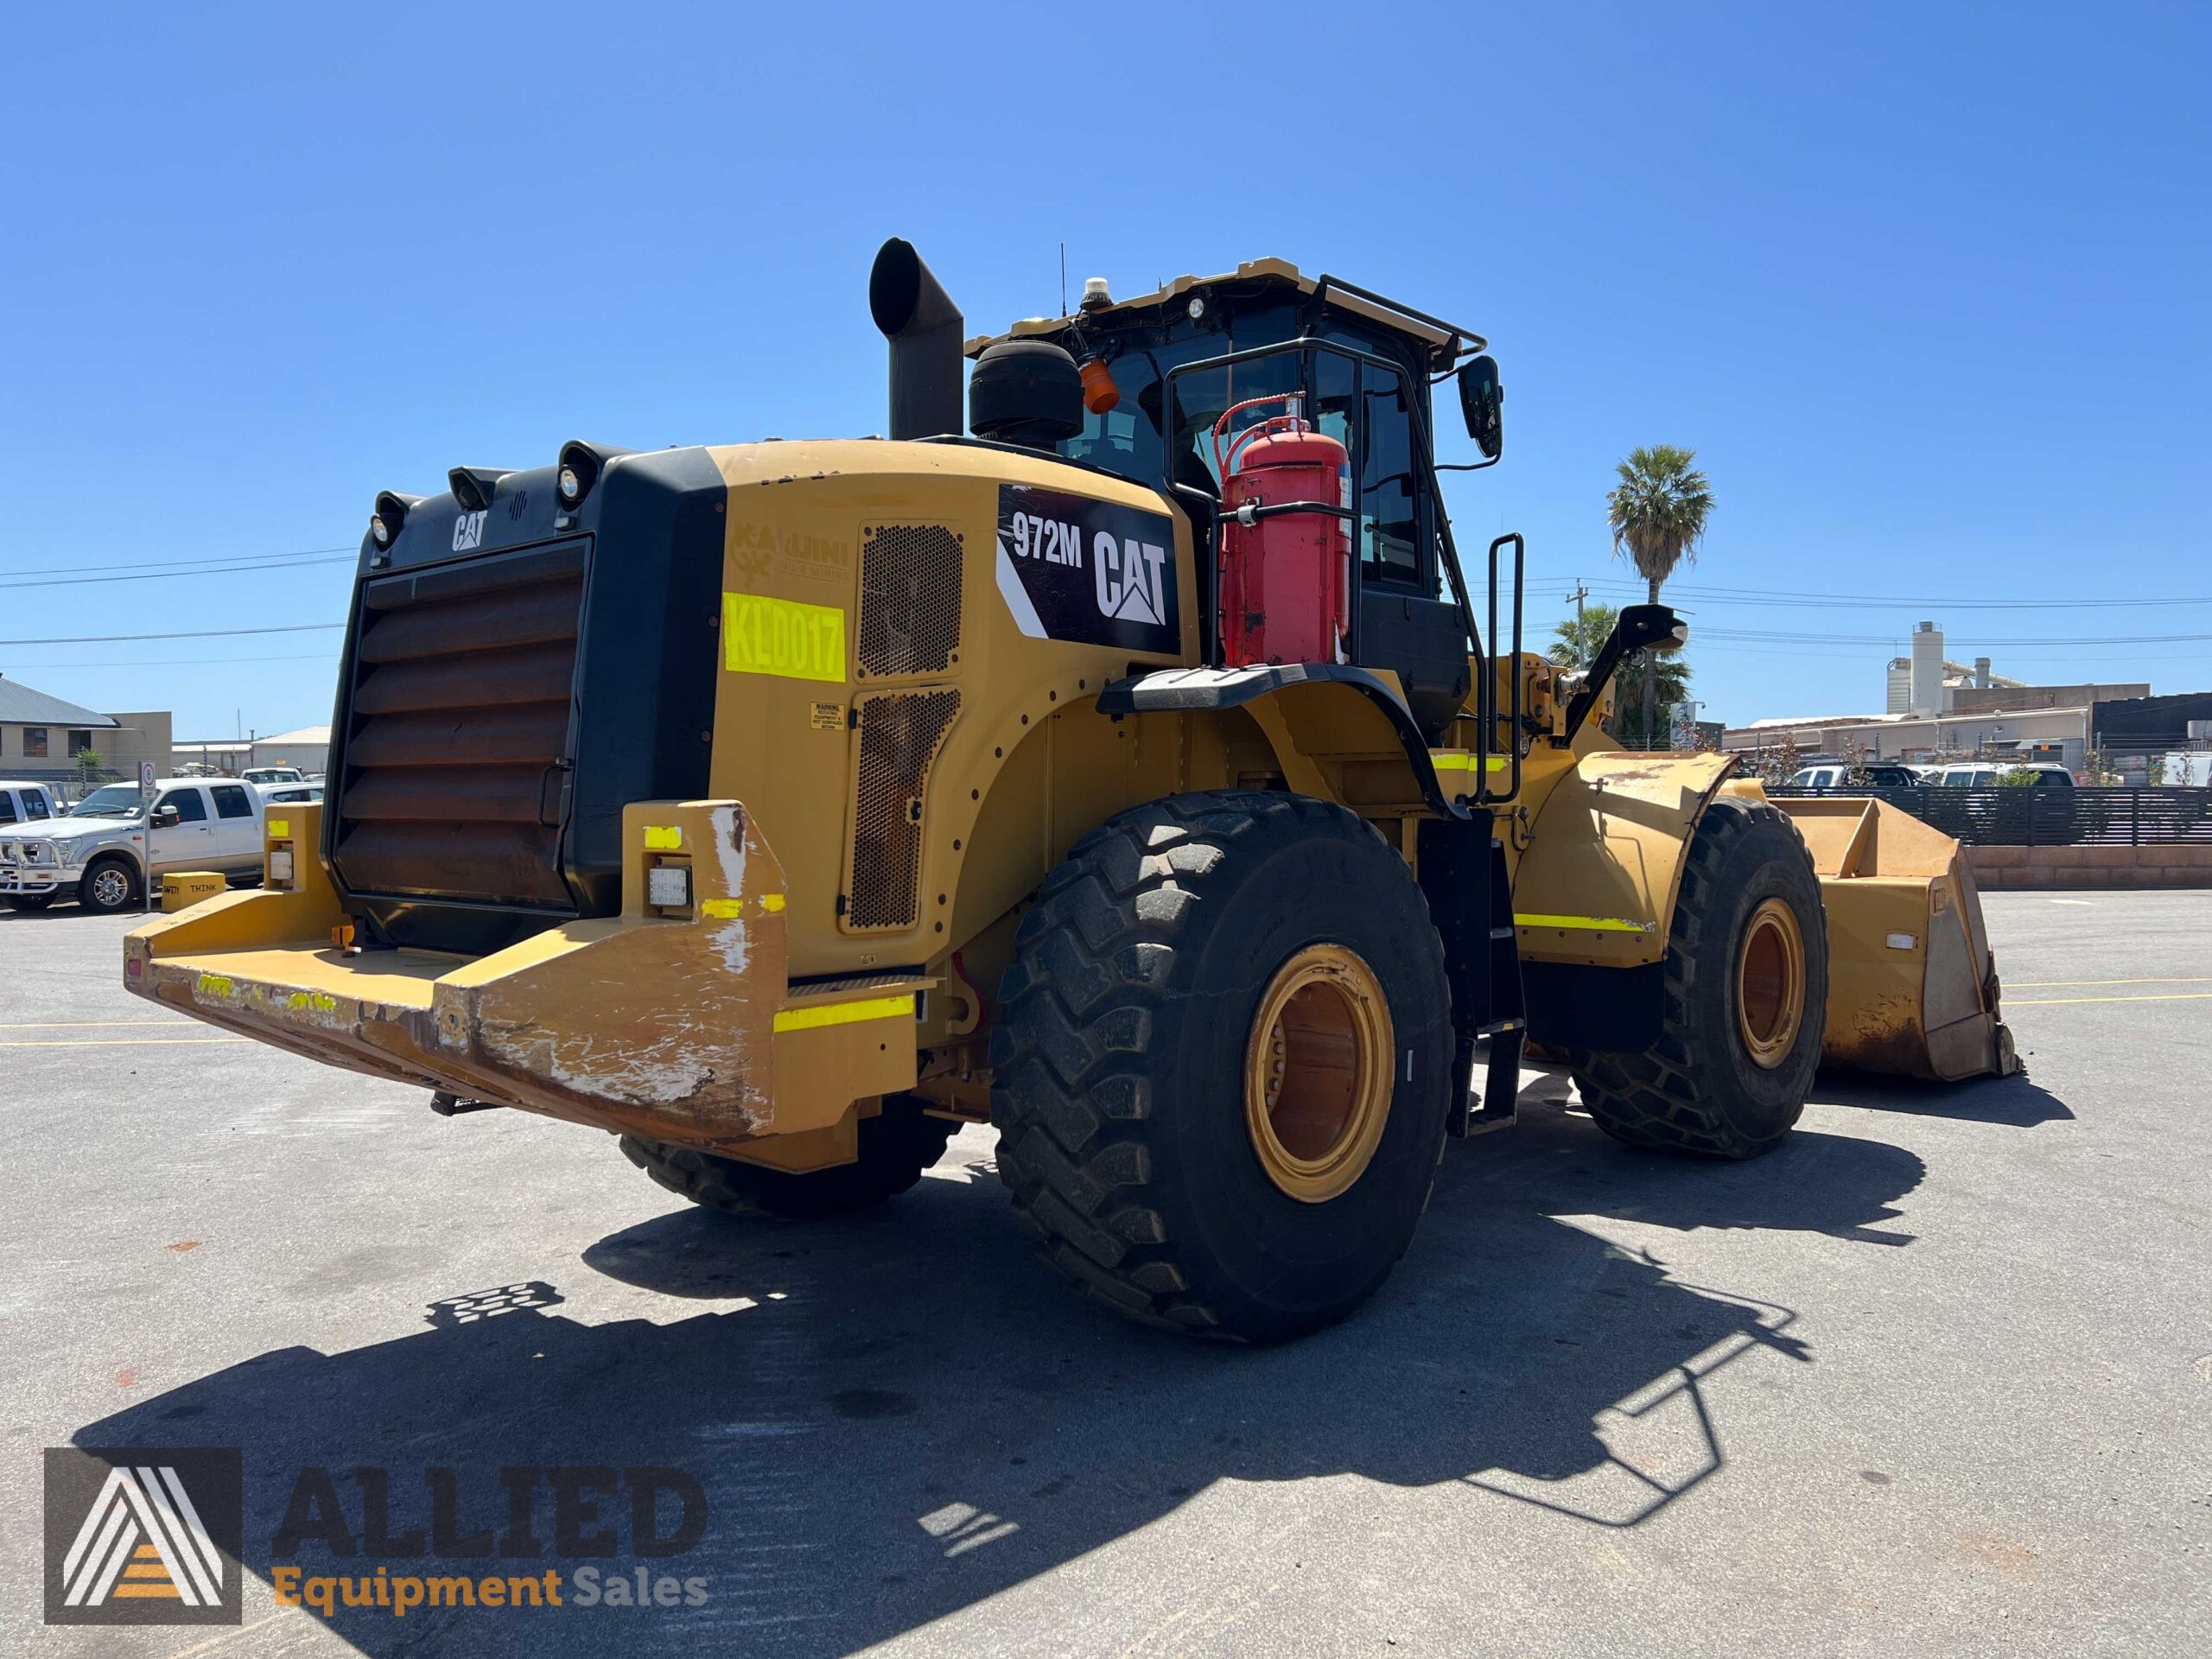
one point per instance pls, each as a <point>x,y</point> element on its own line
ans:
<point>181,662</point>
<point>1783,637</point>
<point>1790,598</point>
<point>202,633</point>
<point>164,565</point>
<point>158,575</point>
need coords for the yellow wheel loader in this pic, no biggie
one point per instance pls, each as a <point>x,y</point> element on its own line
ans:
<point>779,807</point>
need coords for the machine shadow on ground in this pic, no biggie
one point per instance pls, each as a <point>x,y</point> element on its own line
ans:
<point>899,1415</point>
<point>2015,1101</point>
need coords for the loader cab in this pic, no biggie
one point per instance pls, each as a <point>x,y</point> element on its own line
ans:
<point>1363,368</point>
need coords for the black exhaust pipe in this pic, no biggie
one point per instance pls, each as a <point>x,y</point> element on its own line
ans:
<point>924,328</point>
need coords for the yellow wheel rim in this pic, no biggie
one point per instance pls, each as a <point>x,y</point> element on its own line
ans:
<point>1770,984</point>
<point>1318,1074</point>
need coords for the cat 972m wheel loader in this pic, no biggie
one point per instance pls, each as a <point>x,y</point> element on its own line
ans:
<point>1130,770</point>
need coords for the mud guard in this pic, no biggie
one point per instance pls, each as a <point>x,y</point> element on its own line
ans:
<point>1299,688</point>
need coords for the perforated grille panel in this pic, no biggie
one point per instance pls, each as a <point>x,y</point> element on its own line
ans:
<point>900,735</point>
<point>909,599</point>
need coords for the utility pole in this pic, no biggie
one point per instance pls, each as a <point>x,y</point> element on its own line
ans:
<point>1581,593</point>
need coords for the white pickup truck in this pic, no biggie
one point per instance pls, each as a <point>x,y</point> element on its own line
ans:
<point>24,802</point>
<point>97,853</point>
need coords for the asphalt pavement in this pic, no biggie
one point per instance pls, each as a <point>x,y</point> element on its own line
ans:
<point>1934,1378</point>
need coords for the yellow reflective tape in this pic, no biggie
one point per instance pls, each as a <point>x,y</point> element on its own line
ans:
<point>840,1013</point>
<point>1459,760</point>
<point>663,837</point>
<point>782,637</point>
<point>279,829</point>
<point>772,902</point>
<point>215,985</point>
<point>721,909</point>
<point>1586,924</point>
<point>320,1001</point>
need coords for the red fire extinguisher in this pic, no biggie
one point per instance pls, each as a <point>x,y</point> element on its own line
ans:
<point>1286,557</point>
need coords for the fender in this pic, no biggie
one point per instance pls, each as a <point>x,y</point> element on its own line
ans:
<point>1597,884</point>
<point>1333,715</point>
<point>1594,897</point>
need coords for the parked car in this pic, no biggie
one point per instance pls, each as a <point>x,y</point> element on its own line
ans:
<point>1981,774</point>
<point>1880,774</point>
<point>26,803</point>
<point>277,793</point>
<point>273,775</point>
<point>97,853</point>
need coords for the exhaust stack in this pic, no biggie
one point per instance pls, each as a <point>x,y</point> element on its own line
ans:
<point>924,328</point>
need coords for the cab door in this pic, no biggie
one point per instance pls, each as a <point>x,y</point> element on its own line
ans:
<point>1406,622</point>
<point>187,844</point>
<point>235,830</point>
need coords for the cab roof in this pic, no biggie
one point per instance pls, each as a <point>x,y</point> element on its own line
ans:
<point>1445,343</point>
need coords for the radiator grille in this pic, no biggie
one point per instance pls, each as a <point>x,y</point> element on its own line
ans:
<point>909,599</point>
<point>458,730</point>
<point>900,735</point>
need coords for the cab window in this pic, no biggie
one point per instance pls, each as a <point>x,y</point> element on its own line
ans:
<point>1390,531</point>
<point>231,802</point>
<point>34,804</point>
<point>190,808</point>
<point>7,807</point>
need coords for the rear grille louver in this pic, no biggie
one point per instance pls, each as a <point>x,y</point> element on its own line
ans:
<point>458,735</point>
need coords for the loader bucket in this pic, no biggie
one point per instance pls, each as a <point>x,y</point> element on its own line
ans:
<point>1912,985</point>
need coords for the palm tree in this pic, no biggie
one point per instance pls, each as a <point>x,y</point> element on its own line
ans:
<point>1658,513</point>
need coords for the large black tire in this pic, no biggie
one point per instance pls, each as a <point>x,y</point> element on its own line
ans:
<point>1119,1062</point>
<point>896,1146</point>
<point>109,886</point>
<point>1700,1089</point>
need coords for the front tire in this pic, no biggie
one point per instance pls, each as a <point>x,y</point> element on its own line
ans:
<point>896,1146</point>
<point>1745,998</point>
<point>1224,1064</point>
<point>109,886</point>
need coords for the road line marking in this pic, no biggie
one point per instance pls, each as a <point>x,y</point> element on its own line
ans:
<point>2051,1001</point>
<point>85,1025</point>
<point>128,1042</point>
<point>2054,984</point>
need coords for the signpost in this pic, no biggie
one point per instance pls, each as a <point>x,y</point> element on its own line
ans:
<point>146,818</point>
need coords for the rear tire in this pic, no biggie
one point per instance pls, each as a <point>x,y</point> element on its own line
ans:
<point>1729,1075</point>
<point>896,1146</point>
<point>1224,1064</point>
<point>109,886</point>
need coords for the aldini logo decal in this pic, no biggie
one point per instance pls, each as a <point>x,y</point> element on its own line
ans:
<point>1086,571</point>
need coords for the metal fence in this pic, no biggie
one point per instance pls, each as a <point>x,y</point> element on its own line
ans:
<point>2043,816</point>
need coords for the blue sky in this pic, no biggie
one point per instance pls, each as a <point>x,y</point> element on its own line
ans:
<point>1925,287</point>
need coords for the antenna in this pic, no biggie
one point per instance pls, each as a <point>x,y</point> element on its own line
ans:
<point>1064,279</point>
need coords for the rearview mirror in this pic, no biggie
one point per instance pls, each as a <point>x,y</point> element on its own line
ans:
<point>1482,400</point>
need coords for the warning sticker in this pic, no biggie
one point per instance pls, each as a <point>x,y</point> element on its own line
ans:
<point>828,716</point>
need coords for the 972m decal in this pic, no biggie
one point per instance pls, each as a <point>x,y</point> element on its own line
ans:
<point>1088,572</point>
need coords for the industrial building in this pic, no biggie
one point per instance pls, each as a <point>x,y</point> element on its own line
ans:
<point>1937,709</point>
<point>307,748</point>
